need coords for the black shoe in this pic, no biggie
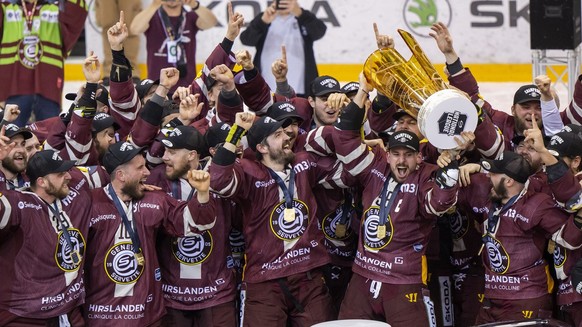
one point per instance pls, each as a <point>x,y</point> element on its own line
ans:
<point>105,81</point>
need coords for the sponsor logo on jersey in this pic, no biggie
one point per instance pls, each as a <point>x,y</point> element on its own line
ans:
<point>29,51</point>
<point>459,225</point>
<point>331,221</point>
<point>13,15</point>
<point>288,231</point>
<point>193,250</point>
<point>49,16</point>
<point>370,230</point>
<point>23,204</point>
<point>63,250</point>
<point>560,255</point>
<point>498,257</point>
<point>121,265</point>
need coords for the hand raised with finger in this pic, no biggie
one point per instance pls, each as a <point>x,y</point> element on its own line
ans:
<point>383,41</point>
<point>117,33</point>
<point>244,59</point>
<point>92,68</point>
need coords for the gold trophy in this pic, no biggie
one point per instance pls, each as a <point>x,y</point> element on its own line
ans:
<point>417,88</point>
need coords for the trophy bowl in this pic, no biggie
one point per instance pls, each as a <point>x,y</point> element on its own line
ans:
<point>416,87</point>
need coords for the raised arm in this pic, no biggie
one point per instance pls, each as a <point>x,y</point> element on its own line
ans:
<point>141,22</point>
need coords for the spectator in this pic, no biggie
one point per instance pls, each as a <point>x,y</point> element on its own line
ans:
<point>107,15</point>
<point>292,26</point>
<point>170,30</point>
<point>34,51</point>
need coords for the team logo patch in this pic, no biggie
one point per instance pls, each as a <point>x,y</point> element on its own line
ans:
<point>292,230</point>
<point>560,255</point>
<point>370,230</point>
<point>498,257</point>
<point>121,265</point>
<point>331,221</point>
<point>193,250</point>
<point>459,225</point>
<point>30,51</point>
<point>63,251</point>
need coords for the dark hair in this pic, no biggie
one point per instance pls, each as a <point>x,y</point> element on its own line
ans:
<point>259,155</point>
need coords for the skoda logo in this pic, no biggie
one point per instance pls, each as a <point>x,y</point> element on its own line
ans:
<point>419,15</point>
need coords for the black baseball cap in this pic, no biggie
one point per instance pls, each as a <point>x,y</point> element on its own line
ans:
<point>350,87</point>
<point>511,164</point>
<point>103,96</point>
<point>573,128</point>
<point>283,110</point>
<point>102,121</point>
<point>46,162</point>
<point>217,134</point>
<point>404,139</point>
<point>527,93</point>
<point>565,144</point>
<point>324,85</point>
<point>400,113</point>
<point>12,130</point>
<point>262,128</point>
<point>185,137</point>
<point>144,86</point>
<point>119,154</point>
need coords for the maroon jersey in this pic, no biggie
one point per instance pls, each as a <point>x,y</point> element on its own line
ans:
<point>196,270</point>
<point>257,96</point>
<point>398,257</point>
<point>119,291</point>
<point>465,225</point>
<point>332,205</point>
<point>566,191</point>
<point>466,82</point>
<point>41,279</point>
<point>45,77</point>
<point>21,182</point>
<point>515,241</point>
<point>275,247</point>
<point>124,106</point>
<point>157,41</point>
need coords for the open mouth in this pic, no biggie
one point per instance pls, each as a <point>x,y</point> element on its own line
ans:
<point>401,171</point>
<point>18,159</point>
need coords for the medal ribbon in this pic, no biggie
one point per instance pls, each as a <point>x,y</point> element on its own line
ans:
<point>385,208</point>
<point>287,192</point>
<point>29,14</point>
<point>132,232</point>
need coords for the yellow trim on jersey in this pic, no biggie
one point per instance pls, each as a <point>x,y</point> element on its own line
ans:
<point>550,280</point>
<point>424,271</point>
<point>350,72</point>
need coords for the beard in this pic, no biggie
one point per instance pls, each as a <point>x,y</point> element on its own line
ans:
<point>133,190</point>
<point>58,192</point>
<point>177,172</point>
<point>281,157</point>
<point>9,164</point>
<point>498,192</point>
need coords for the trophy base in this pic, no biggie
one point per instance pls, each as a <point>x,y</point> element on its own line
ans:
<point>444,115</point>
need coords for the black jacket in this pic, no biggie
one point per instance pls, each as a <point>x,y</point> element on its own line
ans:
<point>311,28</point>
